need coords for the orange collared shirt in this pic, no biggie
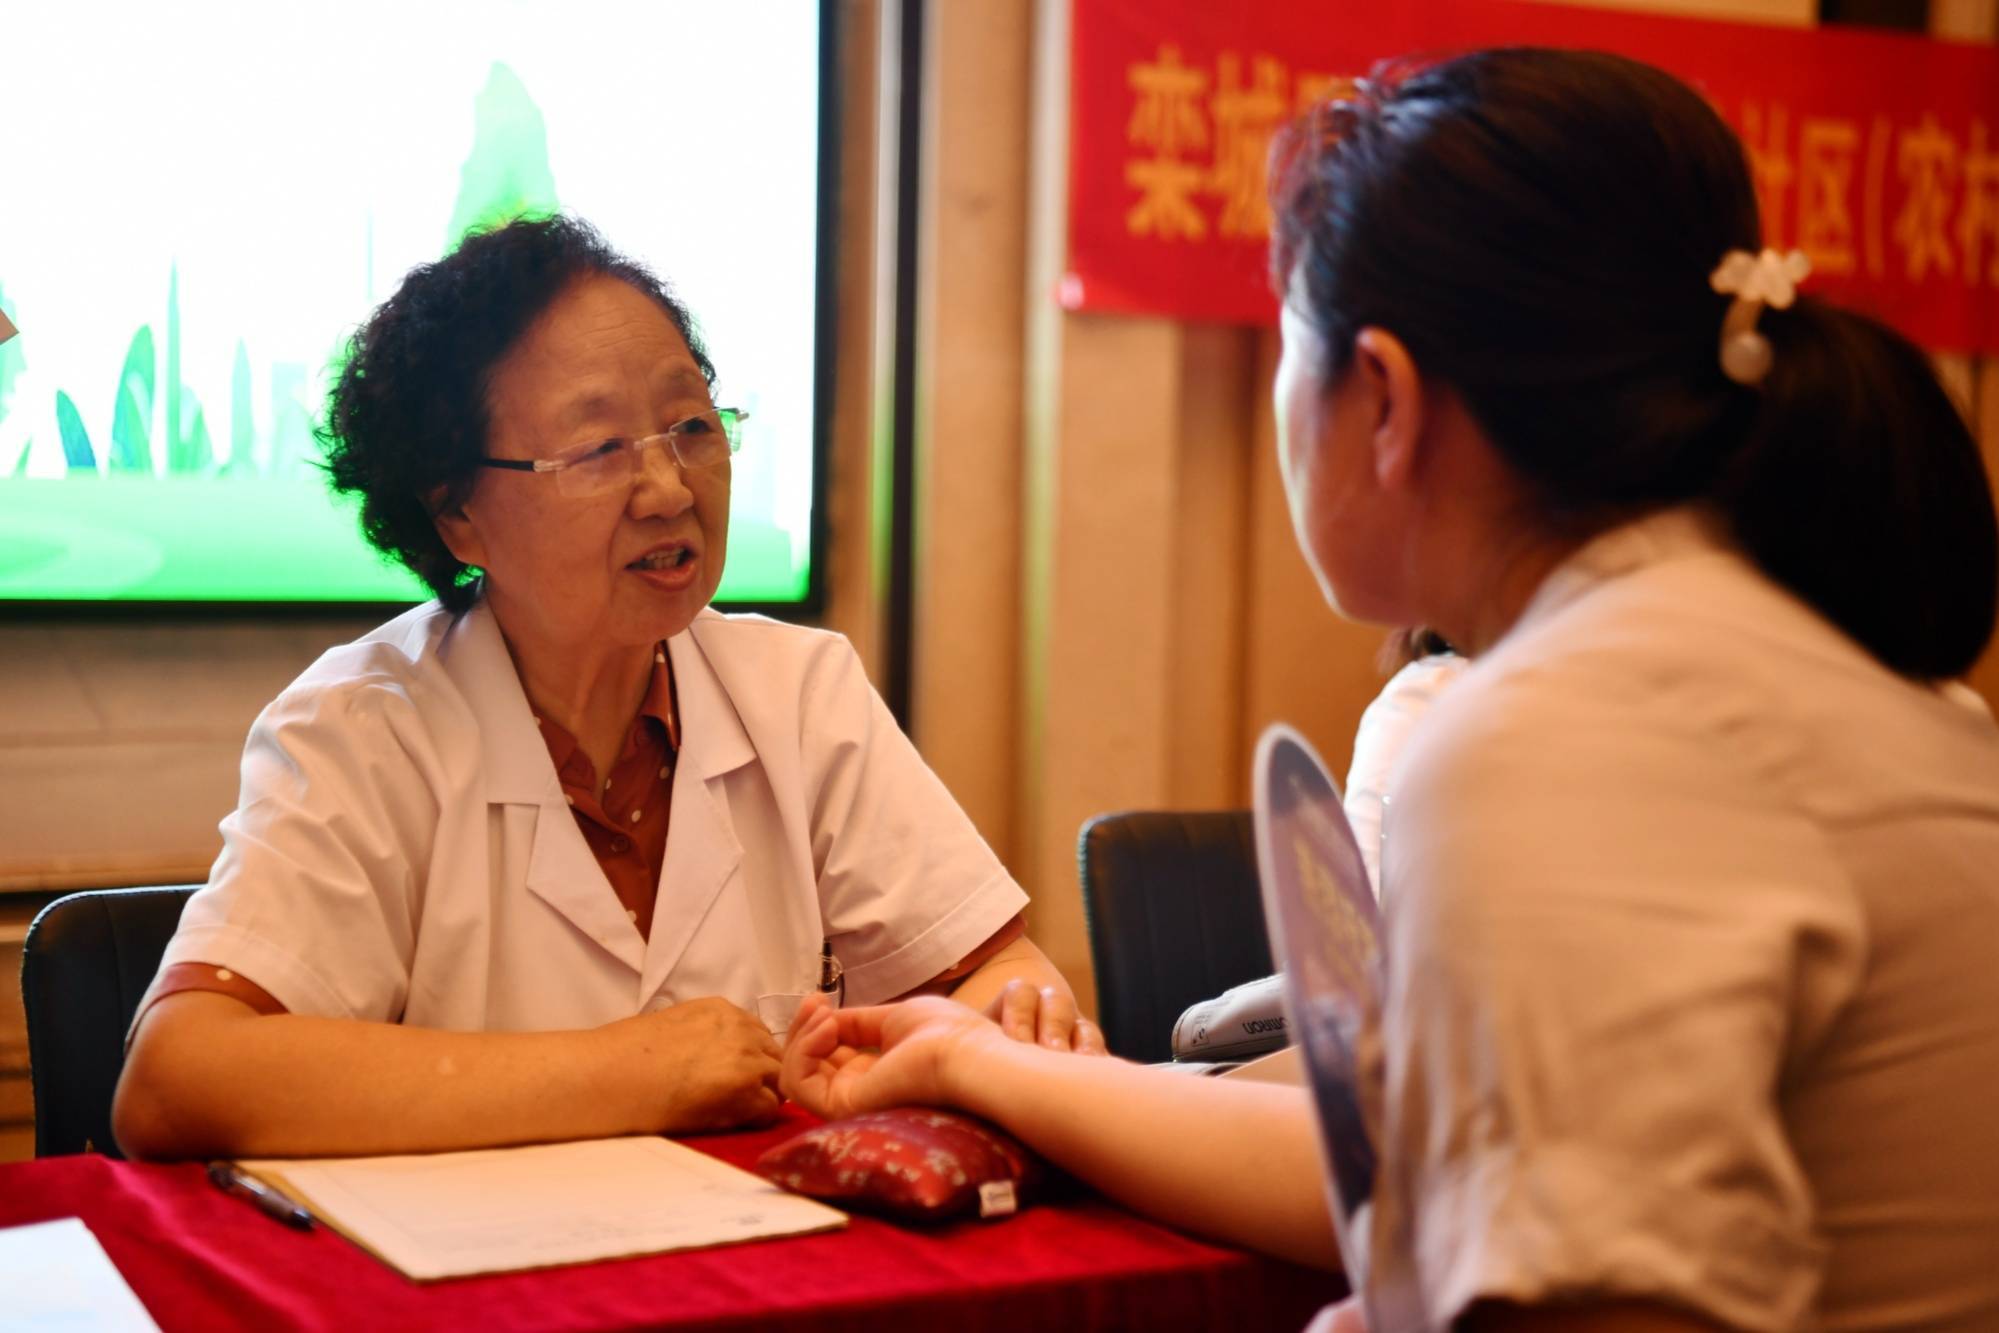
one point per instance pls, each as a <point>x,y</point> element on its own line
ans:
<point>624,815</point>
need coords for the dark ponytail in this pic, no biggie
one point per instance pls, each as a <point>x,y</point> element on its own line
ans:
<point>1861,489</point>
<point>1538,227</point>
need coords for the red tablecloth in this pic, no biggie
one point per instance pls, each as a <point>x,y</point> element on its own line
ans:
<point>200,1259</point>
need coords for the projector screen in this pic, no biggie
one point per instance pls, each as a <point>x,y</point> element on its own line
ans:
<point>214,195</point>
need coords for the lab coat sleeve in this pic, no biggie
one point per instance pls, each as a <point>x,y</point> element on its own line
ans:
<point>907,887</point>
<point>315,894</point>
<point>1379,742</point>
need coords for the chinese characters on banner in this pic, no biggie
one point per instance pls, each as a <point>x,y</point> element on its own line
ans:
<point>1189,146</point>
<point>1875,154</point>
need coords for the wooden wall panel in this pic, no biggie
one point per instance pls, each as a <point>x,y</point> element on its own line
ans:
<point>120,743</point>
<point>1217,444</point>
<point>855,559</point>
<point>972,329</point>
<point>1100,634</point>
<point>1965,20</point>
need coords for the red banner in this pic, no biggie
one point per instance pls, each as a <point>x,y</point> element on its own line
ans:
<point>1876,154</point>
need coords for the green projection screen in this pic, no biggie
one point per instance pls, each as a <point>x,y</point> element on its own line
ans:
<point>202,201</point>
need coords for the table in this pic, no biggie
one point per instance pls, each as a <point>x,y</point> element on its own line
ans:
<point>200,1259</point>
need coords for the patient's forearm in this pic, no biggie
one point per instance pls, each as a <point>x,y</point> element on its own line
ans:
<point>1236,1161</point>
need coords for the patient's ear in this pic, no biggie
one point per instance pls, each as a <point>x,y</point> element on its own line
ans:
<point>1396,388</point>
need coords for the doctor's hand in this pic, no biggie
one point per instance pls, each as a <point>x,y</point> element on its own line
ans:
<point>705,1064</point>
<point>841,1062</point>
<point>1044,1016</point>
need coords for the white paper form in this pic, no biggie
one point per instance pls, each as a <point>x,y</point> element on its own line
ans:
<point>497,1210</point>
<point>55,1276</point>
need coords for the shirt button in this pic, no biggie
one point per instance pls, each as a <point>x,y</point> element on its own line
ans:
<point>666,770</point>
<point>633,913</point>
<point>621,844</point>
<point>567,797</point>
<point>635,816</point>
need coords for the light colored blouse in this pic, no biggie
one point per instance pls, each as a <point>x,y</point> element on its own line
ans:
<point>1692,932</point>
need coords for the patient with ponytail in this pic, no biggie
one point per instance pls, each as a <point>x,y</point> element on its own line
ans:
<point>1691,882</point>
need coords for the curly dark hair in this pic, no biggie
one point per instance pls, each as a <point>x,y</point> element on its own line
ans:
<point>408,413</point>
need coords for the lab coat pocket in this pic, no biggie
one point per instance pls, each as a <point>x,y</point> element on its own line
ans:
<point>776,1012</point>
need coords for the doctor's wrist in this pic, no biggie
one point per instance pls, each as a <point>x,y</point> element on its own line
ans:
<point>626,1093</point>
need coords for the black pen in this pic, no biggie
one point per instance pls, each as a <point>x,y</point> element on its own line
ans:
<point>832,977</point>
<point>269,1202</point>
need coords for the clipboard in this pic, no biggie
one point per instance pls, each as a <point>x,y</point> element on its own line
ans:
<point>503,1210</point>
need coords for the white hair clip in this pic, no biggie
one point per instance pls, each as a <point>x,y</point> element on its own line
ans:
<point>1755,281</point>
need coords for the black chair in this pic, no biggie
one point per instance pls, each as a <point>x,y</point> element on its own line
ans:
<point>87,960</point>
<point>1175,917</point>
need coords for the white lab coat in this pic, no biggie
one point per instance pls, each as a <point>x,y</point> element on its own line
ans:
<point>402,850</point>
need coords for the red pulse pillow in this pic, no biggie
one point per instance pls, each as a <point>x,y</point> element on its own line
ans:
<point>912,1162</point>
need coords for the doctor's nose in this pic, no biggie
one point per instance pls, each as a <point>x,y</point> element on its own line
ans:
<point>659,487</point>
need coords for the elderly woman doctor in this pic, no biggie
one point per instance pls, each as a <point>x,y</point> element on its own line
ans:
<point>552,855</point>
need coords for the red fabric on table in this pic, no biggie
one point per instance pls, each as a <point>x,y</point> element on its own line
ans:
<point>198,1258</point>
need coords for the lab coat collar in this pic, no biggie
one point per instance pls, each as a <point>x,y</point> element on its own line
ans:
<point>702,858</point>
<point>712,737</point>
<point>515,762</point>
<point>702,854</point>
<point>517,770</point>
<point>517,766</point>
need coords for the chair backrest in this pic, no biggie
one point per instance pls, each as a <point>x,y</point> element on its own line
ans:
<point>87,960</point>
<point>1174,915</point>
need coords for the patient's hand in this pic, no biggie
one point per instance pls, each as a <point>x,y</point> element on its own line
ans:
<point>841,1062</point>
<point>1044,1016</point>
<point>1346,1317</point>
